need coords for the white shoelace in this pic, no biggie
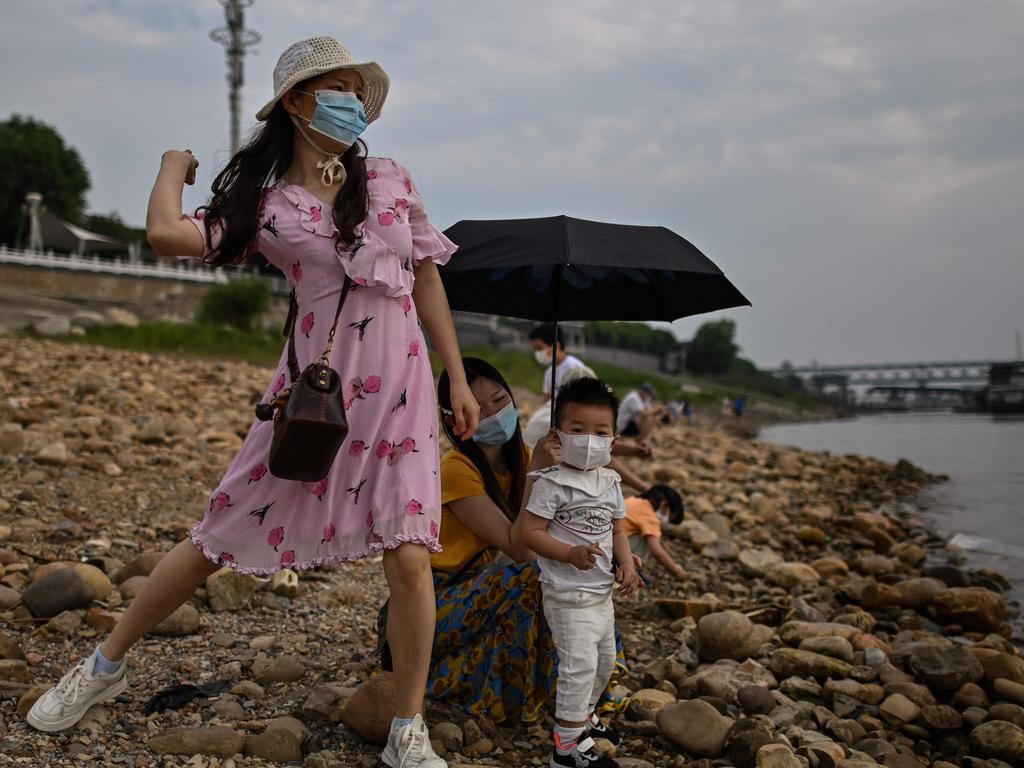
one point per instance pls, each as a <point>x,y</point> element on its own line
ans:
<point>417,748</point>
<point>70,686</point>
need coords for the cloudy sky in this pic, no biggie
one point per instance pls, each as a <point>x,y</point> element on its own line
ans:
<point>855,166</point>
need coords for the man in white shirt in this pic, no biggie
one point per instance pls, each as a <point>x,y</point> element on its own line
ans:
<point>638,415</point>
<point>547,348</point>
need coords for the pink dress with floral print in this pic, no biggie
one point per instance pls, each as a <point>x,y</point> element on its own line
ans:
<point>384,487</point>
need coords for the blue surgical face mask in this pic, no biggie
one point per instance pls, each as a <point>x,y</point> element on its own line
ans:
<point>499,428</point>
<point>338,115</point>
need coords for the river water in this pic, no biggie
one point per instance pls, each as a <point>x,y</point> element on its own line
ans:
<point>982,505</point>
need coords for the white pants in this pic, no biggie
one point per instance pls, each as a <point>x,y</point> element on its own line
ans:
<point>583,627</point>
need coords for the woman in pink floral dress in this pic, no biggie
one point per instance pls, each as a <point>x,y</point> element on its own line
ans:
<point>304,195</point>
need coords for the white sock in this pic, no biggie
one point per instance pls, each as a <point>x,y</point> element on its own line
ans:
<point>566,738</point>
<point>103,665</point>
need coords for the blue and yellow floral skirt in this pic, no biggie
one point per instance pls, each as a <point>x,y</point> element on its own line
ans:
<point>493,654</point>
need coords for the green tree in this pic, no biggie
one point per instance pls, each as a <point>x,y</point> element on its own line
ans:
<point>112,225</point>
<point>713,349</point>
<point>34,158</point>
<point>238,303</point>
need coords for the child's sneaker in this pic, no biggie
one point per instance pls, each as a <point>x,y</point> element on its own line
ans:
<point>409,747</point>
<point>583,754</point>
<point>598,729</point>
<point>67,702</point>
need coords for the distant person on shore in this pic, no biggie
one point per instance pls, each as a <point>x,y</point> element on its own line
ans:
<point>549,349</point>
<point>688,413</point>
<point>645,514</point>
<point>332,219</point>
<point>639,415</point>
<point>739,406</point>
<point>572,520</point>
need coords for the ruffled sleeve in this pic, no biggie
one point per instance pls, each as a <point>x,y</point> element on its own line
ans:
<point>428,242</point>
<point>200,225</point>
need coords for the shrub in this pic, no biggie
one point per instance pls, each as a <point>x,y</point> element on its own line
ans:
<point>238,303</point>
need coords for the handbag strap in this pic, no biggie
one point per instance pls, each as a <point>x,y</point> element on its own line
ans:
<point>289,329</point>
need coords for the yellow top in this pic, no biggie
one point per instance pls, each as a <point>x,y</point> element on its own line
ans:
<point>461,480</point>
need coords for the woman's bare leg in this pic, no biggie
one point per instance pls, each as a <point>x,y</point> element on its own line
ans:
<point>411,617</point>
<point>178,574</point>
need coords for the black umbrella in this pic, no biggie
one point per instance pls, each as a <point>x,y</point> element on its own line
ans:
<point>561,268</point>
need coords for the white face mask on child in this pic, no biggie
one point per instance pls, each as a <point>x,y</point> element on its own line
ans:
<point>585,451</point>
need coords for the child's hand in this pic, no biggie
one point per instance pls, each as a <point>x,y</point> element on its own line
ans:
<point>629,580</point>
<point>584,556</point>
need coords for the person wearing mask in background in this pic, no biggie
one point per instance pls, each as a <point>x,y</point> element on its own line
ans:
<point>548,349</point>
<point>645,514</point>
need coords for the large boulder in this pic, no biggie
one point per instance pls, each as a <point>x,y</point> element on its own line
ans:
<point>793,576</point>
<point>219,741</point>
<point>919,593</point>
<point>1001,740</point>
<point>758,562</point>
<point>229,590</point>
<point>730,635</point>
<point>791,662</point>
<point>973,608</point>
<point>945,669</point>
<point>58,591</point>
<point>369,711</point>
<point>725,678</point>
<point>746,737</point>
<point>696,726</point>
<point>184,621</point>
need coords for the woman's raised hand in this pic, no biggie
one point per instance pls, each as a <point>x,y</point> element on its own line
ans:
<point>185,160</point>
<point>547,452</point>
<point>466,410</point>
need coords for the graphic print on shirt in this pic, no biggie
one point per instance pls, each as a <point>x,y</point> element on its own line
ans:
<point>585,521</point>
<point>270,225</point>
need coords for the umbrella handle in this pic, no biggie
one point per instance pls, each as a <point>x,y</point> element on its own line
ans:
<point>554,342</point>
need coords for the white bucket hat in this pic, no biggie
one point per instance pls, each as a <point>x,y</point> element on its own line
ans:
<point>312,57</point>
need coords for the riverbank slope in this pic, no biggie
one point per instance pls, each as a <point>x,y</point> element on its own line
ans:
<point>822,624</point>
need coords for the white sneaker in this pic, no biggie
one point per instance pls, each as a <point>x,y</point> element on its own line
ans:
<point>409,747</point>
<point>67,702</point>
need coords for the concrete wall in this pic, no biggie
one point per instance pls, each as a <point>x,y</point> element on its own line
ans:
<point>150,299</point>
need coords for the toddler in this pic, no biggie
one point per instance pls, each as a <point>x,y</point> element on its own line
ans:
<point>572,521</point>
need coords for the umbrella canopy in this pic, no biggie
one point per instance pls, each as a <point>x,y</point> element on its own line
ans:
<point>561,268</point>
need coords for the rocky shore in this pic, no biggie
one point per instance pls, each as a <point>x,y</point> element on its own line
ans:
<point>822,625</point>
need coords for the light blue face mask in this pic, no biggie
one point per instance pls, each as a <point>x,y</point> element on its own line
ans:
<point>338,115</point>
<point>499,428</point>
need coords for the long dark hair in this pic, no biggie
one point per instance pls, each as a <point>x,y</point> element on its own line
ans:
<point>514,451</point>
<point>238,189</point>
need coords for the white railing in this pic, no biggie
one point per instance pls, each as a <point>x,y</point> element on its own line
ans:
<point>181,270</point>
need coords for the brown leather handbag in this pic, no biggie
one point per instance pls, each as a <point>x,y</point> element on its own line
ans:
<point>309,416</point>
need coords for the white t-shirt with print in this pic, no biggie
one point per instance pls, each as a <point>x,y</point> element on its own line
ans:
<point>570,362</point>
<point>581,507</point>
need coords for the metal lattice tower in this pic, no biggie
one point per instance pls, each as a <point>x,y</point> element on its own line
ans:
<point>235,38</point>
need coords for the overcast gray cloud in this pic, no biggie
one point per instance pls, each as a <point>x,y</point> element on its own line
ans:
<point>857,168</point>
